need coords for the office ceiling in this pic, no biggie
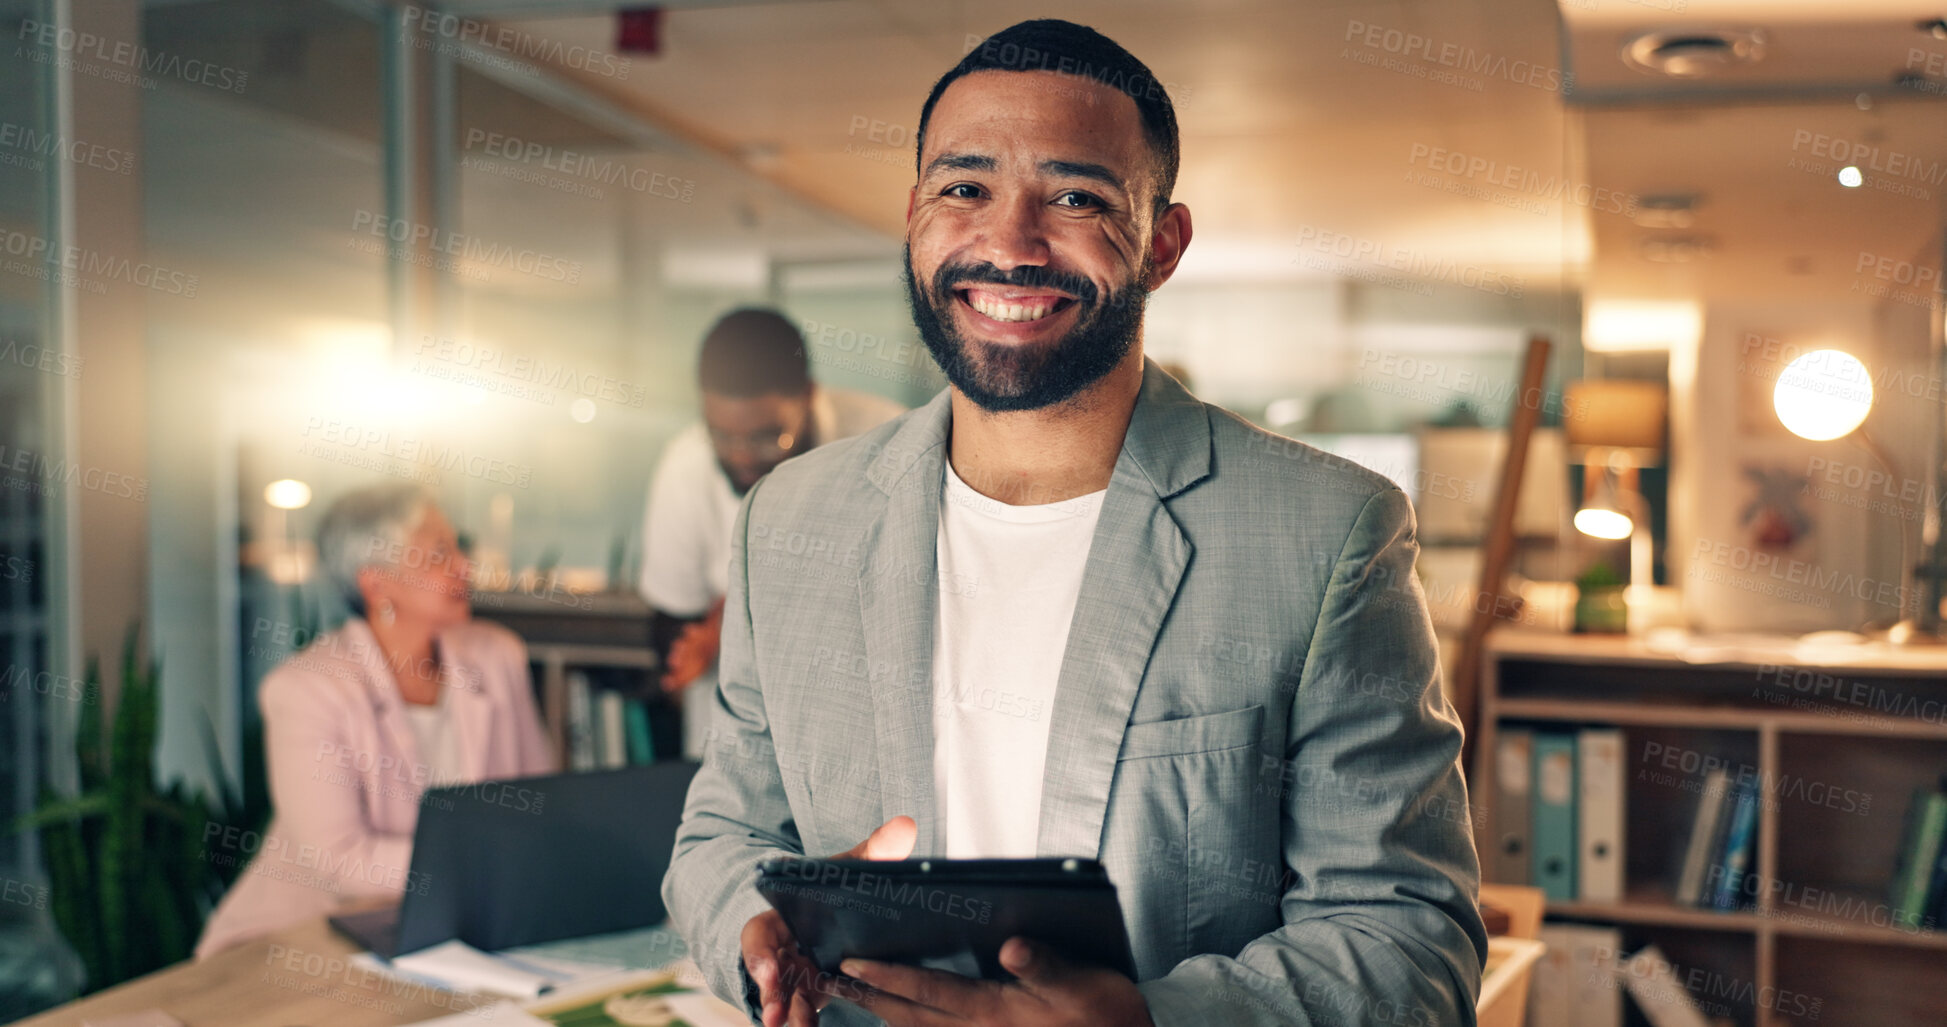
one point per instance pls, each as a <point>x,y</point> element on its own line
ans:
<point>1290,128</point>
<point>1307,120</point>
<point>1413,133</point>
<point>1757,149</point>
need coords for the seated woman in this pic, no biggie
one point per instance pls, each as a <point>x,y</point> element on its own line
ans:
<point>409,693</point>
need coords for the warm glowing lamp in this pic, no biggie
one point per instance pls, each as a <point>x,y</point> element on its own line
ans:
<point>1604,522</point>
<point>1825,395</point>
<point>288,494</point>
<point>286,564</point>
<point>1616,428</point>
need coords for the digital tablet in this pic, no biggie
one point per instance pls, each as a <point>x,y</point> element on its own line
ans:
<point>947,914</point>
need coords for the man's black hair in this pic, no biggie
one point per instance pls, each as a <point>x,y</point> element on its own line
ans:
<point>753,352</point>
<point>1050,44</point>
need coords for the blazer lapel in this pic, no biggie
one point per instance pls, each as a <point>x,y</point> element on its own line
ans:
<point>1135,563</point>
<point>898,596</point>
<point>471,710</point>
<point>382,688</point>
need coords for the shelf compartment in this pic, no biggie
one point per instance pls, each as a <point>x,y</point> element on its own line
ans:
<point>1650,904</point>
<point>1873,701</point>
<point>1824,982</point>
<point>1700,714</point>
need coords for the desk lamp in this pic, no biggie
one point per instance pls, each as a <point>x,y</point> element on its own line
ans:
<point>1615,429</point>
<point>1825,395</point>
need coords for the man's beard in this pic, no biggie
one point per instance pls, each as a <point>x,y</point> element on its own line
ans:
<point>737,488</point>
<point>999,377</point>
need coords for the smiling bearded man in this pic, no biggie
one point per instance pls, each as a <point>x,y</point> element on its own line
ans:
<point>1026,376</point>
<point>1068,609</point>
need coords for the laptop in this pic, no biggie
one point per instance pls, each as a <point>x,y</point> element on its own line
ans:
<point>517,862</point>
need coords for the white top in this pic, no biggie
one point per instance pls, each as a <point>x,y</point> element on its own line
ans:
<point>1009,578</point>
<point>432,729</point>
<point>692,510</point>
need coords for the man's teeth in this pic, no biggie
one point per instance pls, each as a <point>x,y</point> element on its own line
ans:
<point>1001,310</point>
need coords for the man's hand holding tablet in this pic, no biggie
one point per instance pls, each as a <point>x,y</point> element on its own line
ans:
<point>941,912</point>
<point>787,982</point>
<point>1048,991</point>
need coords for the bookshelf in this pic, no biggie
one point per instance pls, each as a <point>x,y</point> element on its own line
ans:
<point>556,659</point>
<point>605,632</point>
<point>1866,723</point>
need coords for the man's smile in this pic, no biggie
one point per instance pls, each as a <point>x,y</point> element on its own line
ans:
<point>1013,306</point>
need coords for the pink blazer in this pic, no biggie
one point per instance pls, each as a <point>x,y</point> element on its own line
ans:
<point>345,774</point>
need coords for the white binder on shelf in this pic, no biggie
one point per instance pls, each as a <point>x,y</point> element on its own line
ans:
<point>1600,827</point>
<point>1576,984</point>
<point>613,745</point>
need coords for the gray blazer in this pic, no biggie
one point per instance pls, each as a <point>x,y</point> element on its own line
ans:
<point>1249,730</point>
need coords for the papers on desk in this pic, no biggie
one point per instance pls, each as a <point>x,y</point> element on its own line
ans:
<point>457,966</point>
<point>654,998</point>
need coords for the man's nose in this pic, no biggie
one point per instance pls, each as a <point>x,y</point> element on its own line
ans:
<point>1014,234</point>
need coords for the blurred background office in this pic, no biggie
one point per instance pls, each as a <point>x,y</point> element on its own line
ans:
<point>254,255</point>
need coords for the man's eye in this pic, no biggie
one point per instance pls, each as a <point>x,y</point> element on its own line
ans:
<point>1080,199</point>
<point>962,191</point>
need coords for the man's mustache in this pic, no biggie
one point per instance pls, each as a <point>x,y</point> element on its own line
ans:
<point>1028,276</point>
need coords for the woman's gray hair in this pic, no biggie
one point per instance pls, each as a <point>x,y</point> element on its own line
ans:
<point>367,527</point>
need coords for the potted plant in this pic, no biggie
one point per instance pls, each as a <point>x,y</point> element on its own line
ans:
<point>129,881</point>
<point>1599,600</point>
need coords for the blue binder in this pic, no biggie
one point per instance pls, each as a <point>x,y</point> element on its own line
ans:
<point>1555,789</point>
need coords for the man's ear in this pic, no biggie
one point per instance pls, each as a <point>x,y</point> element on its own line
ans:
<point>1168,238</point>
<point>912,197</point>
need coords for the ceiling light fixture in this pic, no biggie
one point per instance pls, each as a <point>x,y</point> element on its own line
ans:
<point>1666,210</point>
<point>1693,54</point>
<point>1678,249</point>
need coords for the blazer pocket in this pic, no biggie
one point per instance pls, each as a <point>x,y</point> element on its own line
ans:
<point>1189,735</point>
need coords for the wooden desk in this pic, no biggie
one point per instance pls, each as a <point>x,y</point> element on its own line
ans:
<point>300,977</point>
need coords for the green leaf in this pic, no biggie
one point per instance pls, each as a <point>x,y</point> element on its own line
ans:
<point>54,810</point>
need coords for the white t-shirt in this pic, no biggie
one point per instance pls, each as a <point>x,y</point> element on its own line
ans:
<point>432,728</point>
<point>692,510</point>
<point>1009,578</point>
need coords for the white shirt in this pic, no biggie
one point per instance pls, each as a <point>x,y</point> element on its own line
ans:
<point>432,728</point>
<point>692,510</point>
<point>1009,578</point>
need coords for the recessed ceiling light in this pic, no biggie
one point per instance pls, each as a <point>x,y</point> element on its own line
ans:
<point>1693,54</point>
<point>1666,210</point>
<point>1935,27</point>
<point>1851,177</point>
<point>1678,249</point>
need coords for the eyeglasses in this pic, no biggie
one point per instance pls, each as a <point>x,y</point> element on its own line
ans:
<point>768,443</point>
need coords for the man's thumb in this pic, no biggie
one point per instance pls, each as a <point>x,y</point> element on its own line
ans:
<point>1032,962</point>
<point>893,840</point>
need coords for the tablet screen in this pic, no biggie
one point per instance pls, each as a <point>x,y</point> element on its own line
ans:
<point>948,914</point>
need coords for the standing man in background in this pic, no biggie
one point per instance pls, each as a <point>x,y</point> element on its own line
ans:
<point>760,408</point>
